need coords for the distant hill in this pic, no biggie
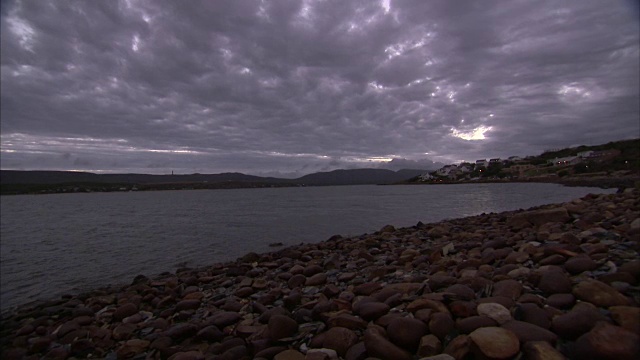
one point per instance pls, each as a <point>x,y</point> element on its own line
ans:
<point>61,177</point>
<point>358,177</point>
<point>337,177</point>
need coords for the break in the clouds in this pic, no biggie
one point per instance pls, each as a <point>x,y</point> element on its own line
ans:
<point>293,87</point>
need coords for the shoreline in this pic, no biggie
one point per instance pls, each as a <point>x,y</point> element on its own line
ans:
<point>603,182</point>
<point>353,296</point>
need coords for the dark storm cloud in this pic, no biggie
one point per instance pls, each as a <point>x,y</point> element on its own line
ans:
<point>288,87</point>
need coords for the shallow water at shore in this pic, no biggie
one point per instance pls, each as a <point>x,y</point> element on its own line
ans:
<point>56,244</point>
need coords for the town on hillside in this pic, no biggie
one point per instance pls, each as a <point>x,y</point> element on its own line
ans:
<point>617,159</point>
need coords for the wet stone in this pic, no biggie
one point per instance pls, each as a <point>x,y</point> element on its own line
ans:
<point>441,324</point>
<point>599,294</point>
<point>372,310</point>
<point>606,341</point>
<point>125,310</point>
<point>554,282</point>
<point>627,317</point>
<point>541,350</point>
<point>561,301</point>
<point>495,343</point>
<point>575,323</point>
<point>529,332</point>
<point>495,311</point>
<point>379,346</point>
<point>580,264</point>
<point>281,326</point>
<point>406,332</point>
<point>472,323</point>
<point>340,339</point>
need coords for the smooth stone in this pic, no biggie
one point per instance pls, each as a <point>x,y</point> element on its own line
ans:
<point>606,341</point>
<point>223,318</point>
<point>575,322</point>
<point>495,342</point>
<point>124,311</point>
<point>461,292</point>
<point>533,314</point>
<point>187,305</point>
<point>439,357</point>
<point>468,325</point>
<point>339,339</point>
<point>181,331</point>
<point>372,310</point>
<point>463,309</point>
<point>356,352</point>
<point>507,288</point>
<point>554,282</point>
<point>459,347</point>
<point>296,280</point>
<point>555,259</point>
<point>244,291</point>
<point>281,326</point>
<point>367,289</point>
<point>317,279</point>
<point>429,345</point>
<point>423,303</point>
<point>321,354</point>
<point>289,355</point>
<point>561,301</point>
<point>406,332</point>
<point>502,300</point>
<point>347,321</point>
<point>312,270</point>
<point>131,348</point>
<point>627,317</point>
<point>529,332</point>
<point>123,331</point>
<point>495,311</point>
<point>579,264</point>
<point>541,350</point>
<point>441,324</point>
<point>378,346</point>
<point>599,293</point>
<point>210,333</point>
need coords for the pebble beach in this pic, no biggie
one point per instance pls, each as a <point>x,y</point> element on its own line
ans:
<point>558,281</point>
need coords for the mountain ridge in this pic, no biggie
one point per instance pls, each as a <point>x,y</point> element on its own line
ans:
<point>335,177</point>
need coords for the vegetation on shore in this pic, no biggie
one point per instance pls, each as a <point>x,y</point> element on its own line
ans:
<point>615,164</point>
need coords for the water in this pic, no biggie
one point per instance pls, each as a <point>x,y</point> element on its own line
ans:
<point>57,244</point>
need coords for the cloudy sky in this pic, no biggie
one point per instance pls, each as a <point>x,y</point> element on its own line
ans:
<point>293,87</point>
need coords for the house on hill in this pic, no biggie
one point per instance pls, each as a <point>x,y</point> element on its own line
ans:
<point>565,161</point>
<point>447,170</point>
<point>482,162</point>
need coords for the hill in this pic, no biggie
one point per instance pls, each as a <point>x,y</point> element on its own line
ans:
<point>22,182</point>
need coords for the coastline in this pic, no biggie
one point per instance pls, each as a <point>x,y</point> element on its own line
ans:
<point>603,182</point>
<point>450,282</point>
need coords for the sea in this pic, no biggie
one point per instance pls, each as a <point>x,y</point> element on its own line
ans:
<point>57,244</point>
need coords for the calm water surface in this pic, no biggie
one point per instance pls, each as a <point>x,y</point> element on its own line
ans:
<point>56,244</point>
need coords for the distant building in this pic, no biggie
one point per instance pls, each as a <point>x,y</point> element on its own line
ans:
<point>585,154</point>
<point>514,158</point>
<point>519,170</point>
<point>482,162</point>
<point>565,161</point>
<point>447,170</point>
<point>426,177</point>
<point>495,161</point>
<point>465,168</point>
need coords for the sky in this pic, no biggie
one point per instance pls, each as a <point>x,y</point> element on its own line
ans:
<point>287,88</point>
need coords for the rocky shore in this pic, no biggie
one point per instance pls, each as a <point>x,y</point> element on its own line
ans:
<point>552,282</point>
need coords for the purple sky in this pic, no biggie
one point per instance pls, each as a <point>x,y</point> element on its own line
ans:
<point>287,88</point>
